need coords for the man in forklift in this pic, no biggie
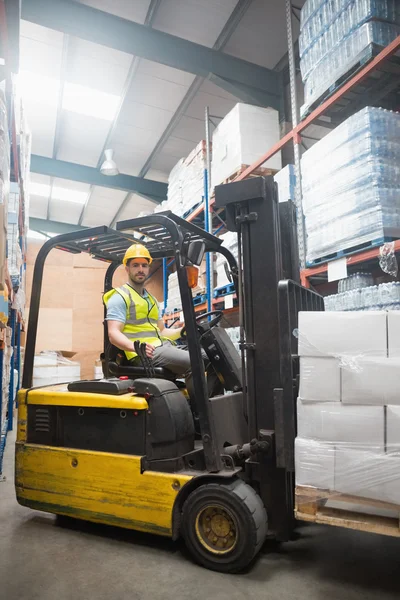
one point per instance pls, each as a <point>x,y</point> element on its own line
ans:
<point>133,315</point>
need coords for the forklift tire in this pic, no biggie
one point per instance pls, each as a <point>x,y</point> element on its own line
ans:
<point>224,525</point>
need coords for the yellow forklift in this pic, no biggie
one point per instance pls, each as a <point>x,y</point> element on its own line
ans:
<point>123,450</point>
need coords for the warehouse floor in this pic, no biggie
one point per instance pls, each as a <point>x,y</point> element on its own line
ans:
<point>42,560</point>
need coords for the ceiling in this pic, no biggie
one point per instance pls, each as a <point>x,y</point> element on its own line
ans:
<point>81,98</point>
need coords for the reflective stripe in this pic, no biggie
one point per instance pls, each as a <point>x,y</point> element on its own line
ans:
<point>139,322</point>
<point>132,305</point>
<point>138,335</point>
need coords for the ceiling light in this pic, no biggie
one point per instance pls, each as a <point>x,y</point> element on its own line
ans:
<point>87,101</point>
<point>109,167</point>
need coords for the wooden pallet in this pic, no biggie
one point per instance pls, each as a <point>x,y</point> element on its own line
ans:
<point>260,172</point>
<point>311,506</point>
<point>352,250</point>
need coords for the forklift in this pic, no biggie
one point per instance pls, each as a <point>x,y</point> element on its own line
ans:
<point>123,450</point>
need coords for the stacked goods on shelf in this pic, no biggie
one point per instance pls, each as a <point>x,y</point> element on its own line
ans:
<point>348,407</point>
<point>174,295</point>
<point>186,182</point>
<point>5,384</point>
<point>385,296</point>
<point>285,181</point>
<point>5,334</point>
<point>14,258</point>
<point>51,368</point>
<point>351,184</point>
<point>241,138</point>
<point>4,188</point>
<point>98,370</point>
<point>230,241</point>
<point>335,36</point>
<point>234,334</point>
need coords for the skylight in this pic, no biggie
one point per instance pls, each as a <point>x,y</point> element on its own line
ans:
<point>39,189</point>
<point>90,102</point>
<point>58,193</point>
<point>68,195</point>
<point>38,88</point>
<point>76,98</point>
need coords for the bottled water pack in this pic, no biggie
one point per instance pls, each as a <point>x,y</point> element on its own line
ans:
<point>334,34</point>
<point>351,184</point>
<point>376,297</point>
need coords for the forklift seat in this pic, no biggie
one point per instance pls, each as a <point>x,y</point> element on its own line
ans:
<point>114,364</point>
<point>136,372</point>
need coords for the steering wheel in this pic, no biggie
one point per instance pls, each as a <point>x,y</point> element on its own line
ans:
<point>218,314</point>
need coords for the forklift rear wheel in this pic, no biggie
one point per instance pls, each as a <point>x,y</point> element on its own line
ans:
<point>224,525</point>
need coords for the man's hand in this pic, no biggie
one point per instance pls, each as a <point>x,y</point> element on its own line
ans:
<point>150,350</point>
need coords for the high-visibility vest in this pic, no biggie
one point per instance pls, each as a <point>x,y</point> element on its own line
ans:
<point>141,317</point>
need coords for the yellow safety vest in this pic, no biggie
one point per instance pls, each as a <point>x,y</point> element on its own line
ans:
<point>141,317</point>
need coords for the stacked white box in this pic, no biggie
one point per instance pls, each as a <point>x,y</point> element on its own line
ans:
<point>229,241</point>
<point>367,474</point>
<point>51,368</point>
<point>319,379</point>
<point>285,180</point>
<point>347,335</point>
<point>315,462</point>
<point>241,137</point>
<point>338,424</point>
<point>392,429</point>
<point>186,182</point>
<point>174,295</point>
<point>234,334</point>
<point>349,443</point>
<point>394,334</point>
<point>371,380</point>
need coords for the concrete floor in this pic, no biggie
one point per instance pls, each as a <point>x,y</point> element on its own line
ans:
<point>42,560</point>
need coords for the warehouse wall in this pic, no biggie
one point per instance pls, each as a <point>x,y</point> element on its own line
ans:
<point>71,308</point>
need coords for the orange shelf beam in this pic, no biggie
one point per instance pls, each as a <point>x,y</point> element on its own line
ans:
<point>296,131</point>
<point>352,259</point>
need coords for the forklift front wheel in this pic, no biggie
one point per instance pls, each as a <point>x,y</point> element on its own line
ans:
<point>224,525</point>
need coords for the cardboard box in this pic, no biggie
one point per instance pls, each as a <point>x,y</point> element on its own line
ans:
<point>319,379</point>
<point>393,317</point>
<point>315,463</point>
<point>371,381</point>
<point>241,137</point>
<point>392,429</point>
<point>367,474</point>
<point>342,333</point>
<point>362,426</point>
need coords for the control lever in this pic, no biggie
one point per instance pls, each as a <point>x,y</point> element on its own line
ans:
<point>147,365</point>
<point>148,362</point>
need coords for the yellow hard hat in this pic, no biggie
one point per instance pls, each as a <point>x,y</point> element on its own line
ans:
<point>137,251</point>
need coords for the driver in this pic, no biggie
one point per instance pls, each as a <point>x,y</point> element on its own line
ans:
<point>133,315</point>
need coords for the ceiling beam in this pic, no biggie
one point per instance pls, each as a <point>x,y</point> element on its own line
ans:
<point>223,38</point>
<point>150,16</point>
<point>154,190</point>
<point>44,226</point>
<point>80,20</point>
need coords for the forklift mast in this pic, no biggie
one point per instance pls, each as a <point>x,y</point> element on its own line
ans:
<point>271,299</point>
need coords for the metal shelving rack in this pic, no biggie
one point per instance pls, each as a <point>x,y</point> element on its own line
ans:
<point>378,77</point>
<point>9,31</point>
